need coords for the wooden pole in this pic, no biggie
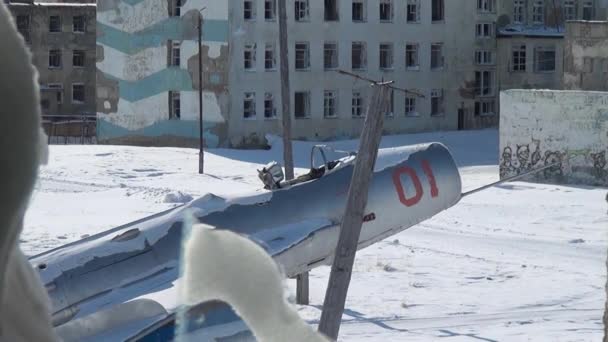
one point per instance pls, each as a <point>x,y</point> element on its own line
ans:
<point>350,229</point>
<point>301,279</point>
<point>201,155</point>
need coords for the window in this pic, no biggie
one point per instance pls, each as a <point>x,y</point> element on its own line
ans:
<point>54,23</point>
<point>54,58</point>
<point>518,11</point>
<point>386,10</point>
<point>359,56</point>
<point>518,55</point>
<point>436,56</point>
<point>270,111</point>
<point>391,105</point>
<point>301,10</point>
<point>175,54</point>
<point>357,105</point>
<point>57,88</point>
<point>331,10</point>
<point>270,10</point>
<point>485,107</point>
<point>605,65</point>
<point>545,59</point>
<point>483,83</point>
<point>23,26</point>
<point>249,106</point>
<point>538,12</point>
<point>569,10</point>
<point>484,30</point>
<point>78,25</point>
<point>78,93</point>
<point>175,8</point>
<point>174,105</point>
<point>249,57</point>
<point>78,58</point>
<point>436,102</point>
<point>330,104</point>
<point>359,13</point>
<point>486,6</point>
<point>588,10</point>
<point>587,64</point>
<point>249,10</point>
<point>386,56</point>
<point>411,56</point>
<point>330,56</point>
<point>484,57</point>
<point>413,11</point>
<point>302,104</point>
<point>437,10</point>
<point>302,56</point>
<point>270,57</point>
<point>410,106</point>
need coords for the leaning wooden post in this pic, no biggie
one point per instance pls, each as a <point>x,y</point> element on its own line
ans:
<point>350,229</point>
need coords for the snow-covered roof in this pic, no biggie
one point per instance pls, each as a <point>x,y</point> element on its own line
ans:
<point>531,31</point>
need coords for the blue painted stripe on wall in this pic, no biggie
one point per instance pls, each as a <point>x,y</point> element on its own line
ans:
<point>173,28</point>
<point>160,82</point>
<point>179,128</point>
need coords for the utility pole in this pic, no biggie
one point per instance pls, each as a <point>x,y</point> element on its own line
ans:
<point>201,155</point>
<point>350,229</point>
<point>301,279</point>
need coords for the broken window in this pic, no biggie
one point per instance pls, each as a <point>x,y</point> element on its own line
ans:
<point>484,30</point>
<point>519,57</point>
<point>359,56</point>
<point>270,9</point>
<point>411,56</point>
<point>436,102</point>
<point>78,58</point>
<point>54,58</point>
<point>437,8</point>
<point>57,88</point>
<point>54,23</point>
<point>413,11</point>
<point>357,105</point>
<point>437,56</point>
<point>410,106</point>
<point>175,8</point>
<point>485,107</point>
<point>174,105</point>
<point>330,104</point>
<point>545,59</point>
<point>359,13</point>
<point>270,111</point>
<point>486,6</point>
<point>386,56</point>
<point>23,26</point>
<point>386,10</point>
<point>175,54</point>
<point>331,10</point>
<point>249,57</point>
<point>538,12</point>
<point>484,57</point>
<point>249,9</point>
<point>588,10</point>
<point>78,24</point>
<point>518,11</point>
<point>330,56</point>
<point>301,10</point>
<point>302,56</point>
<point>270,57</point>
<point>78,93</point>
<point>569,10</point>
<point>249,106</point>
<point>483,83</point>
<point>302,104</point>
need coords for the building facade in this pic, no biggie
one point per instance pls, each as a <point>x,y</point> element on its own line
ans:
<point>586,56</point>
<point>61,37</point>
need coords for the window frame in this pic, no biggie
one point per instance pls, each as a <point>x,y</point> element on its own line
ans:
<point>269,98</point>
<point>74,24</point>
<point>249,14</point>
<point>441,57</point>
<point>357,104</point>
<point>415,53</point>
<point>538,12</point>
<point>362,55</point>
<point>250,57</point>
<point>335,59</point>
<point>413,111</point>
<point>270,7</point>
<point>59,54</point>
<point>302,56</point>
<point>74,57</point>
<point>249,106</point>
<point>437,94</point>
<point>519,54</point>
<point>388,49</point>
<point>537,55</point>
<point>306,114</point>
<point>391,11</point>
<point>301,11</point>
<point>74,100</point>
<point>330,104</point>
<point>175,105</point>
<point>363,4</point>
<point>416,14</point>
<point>59,28</point>
<point>270,48</point>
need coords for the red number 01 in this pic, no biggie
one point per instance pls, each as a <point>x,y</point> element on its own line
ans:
<point>411,201</point>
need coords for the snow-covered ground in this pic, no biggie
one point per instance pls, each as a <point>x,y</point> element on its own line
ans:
<point>520,261</point>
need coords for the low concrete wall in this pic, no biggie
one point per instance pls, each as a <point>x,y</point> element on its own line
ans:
<point>541,127</point>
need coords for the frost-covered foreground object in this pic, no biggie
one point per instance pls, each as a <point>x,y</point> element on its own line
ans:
<point>98,285</point>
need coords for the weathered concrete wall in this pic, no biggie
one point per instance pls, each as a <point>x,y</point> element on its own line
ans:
<point>586,41</point>
<point>134,78</point>
<point>541,127</point>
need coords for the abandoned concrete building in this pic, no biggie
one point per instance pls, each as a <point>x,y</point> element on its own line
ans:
<point>586,56</point>
<point>61,37</point>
